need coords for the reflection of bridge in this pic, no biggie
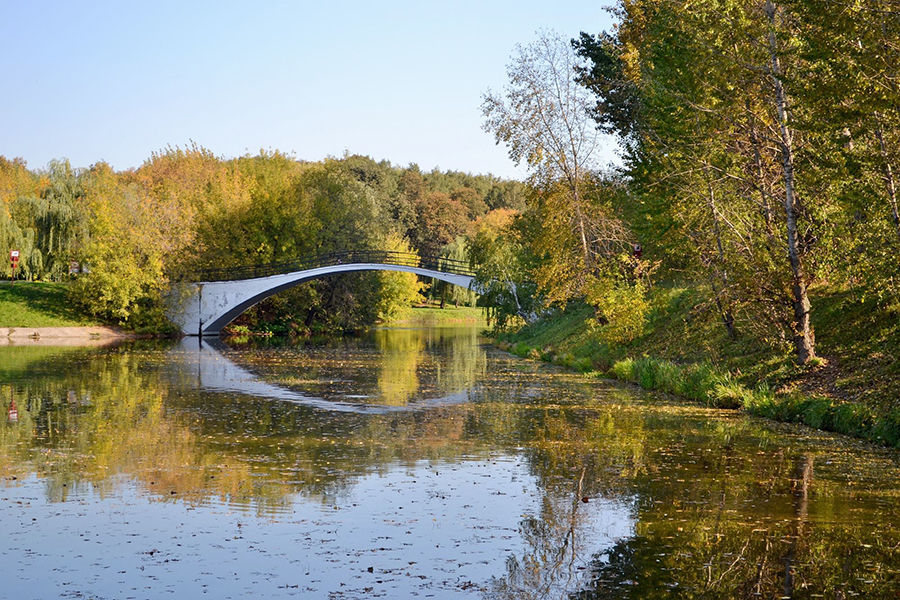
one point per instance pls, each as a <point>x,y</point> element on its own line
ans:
<point>220,295</point>
<point>208,366</point>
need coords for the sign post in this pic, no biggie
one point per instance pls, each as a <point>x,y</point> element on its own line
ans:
<point>14,262</point>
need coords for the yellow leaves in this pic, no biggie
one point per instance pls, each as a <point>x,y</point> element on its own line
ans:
<point>623,306</point>
<point>495,222</point>
<point>398,290</point>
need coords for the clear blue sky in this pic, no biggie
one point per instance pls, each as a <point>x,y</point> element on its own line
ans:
<point>398,80</point>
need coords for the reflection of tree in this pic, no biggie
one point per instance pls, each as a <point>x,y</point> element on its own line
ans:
<point>401,352</point>
<point>107,417</point>
<point>427,363</point>
<point>464,363</point>
<point>721,509</point>
<point>577,456</point>
<point>556,555</point>
<point>393,367</point>
<point>15,439</point>
<point>124,412</point>
<point>725,521</point>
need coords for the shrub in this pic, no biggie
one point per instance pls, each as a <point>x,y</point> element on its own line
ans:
<point>583,365</point>
<point>728,395</point>
<point>521,349</point>
<point>623,306</point>
<point>623,369</point>
<point>237,330</point>
<point>698,381</point>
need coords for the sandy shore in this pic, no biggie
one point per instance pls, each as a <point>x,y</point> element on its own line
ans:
<point>61,336</point>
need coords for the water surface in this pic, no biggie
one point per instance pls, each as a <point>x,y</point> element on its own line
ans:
<point>414,463</point>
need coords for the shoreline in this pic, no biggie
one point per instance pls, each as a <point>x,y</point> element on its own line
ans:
<point>97,335</point>
<point>832,415</point>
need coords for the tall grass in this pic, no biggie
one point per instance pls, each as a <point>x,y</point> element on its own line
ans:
<point>704,383</point>
<point>860,336</point>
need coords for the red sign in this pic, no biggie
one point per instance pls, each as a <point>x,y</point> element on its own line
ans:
<point>13,262</point>
<point>12,415</point>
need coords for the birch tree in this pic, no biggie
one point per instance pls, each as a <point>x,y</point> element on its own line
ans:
<point>714,147</point>
<point>544,118</point>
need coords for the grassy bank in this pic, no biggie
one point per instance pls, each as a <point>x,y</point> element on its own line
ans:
<point>414,316</point>
<point>435,316</point>
<point>684,350</point>
<point>28,304</point>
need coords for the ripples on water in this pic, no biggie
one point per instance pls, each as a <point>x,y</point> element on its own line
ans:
<point>414,463</point>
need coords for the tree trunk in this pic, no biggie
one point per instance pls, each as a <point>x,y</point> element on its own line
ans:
<point>888,175</point>
<point>585,248</point>
<point>761,176</point>
<point>804,339</point>
<point>721,271</point>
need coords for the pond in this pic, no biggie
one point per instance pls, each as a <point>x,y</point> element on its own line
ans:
<point>414,463</point>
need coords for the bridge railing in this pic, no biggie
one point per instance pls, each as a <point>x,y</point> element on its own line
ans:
<point>379,257</point>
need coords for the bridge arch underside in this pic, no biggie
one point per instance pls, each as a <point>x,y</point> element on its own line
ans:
<point>219,303</point>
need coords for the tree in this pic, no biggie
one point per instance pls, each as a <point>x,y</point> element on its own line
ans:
<point>410,189</point>
<point>127,251</point>
<point>854,97</point>
<point>719,145</point>
<point>471,200</point>
<point>543,117</point>
<point>398,290</point>
<point>16,181</point>
<point>49,217</point>
<point>500,254</point>
<point>439,219</point>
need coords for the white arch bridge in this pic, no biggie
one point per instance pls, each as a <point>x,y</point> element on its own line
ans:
<point>218,296</point>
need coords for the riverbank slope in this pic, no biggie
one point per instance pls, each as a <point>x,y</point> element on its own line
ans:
<point>854,389</point>
<point>39,313</point>
<point>39,304</point>
<point>422,316</point>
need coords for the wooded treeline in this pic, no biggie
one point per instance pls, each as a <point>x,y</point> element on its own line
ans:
<point>759,144</point>
<point>138,231</point>
<point>760,148</point>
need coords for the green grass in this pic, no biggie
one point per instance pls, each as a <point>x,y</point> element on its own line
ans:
<point>685,351</point>
<point>27,304</point>
<point>865,340</point>
<point>429,315</point>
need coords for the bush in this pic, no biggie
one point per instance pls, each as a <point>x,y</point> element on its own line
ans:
<point>728,395</point>
<point>703,382</point>
<point>237,330</point>
<point>623,306</point>
<point>583,365</point>
<point>623,369</point>
<point>698,381</point>
<point>521,350</point>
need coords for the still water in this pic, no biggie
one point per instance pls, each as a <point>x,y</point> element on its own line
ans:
<point>414,463</point>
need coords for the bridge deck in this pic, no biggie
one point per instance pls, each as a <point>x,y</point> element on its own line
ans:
<point>206,301</point>
<point>383,257</point>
